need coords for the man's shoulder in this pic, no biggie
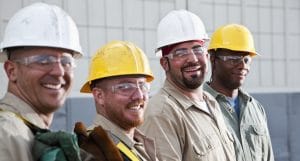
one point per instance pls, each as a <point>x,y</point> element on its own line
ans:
<point>8,117</point>
<point>162,101</point>
<point>247,96</point>
<point>11,124</point>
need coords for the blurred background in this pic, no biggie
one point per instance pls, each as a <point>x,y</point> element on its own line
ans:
<point>274,78</point>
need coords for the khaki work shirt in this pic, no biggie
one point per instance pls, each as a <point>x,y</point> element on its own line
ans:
<point>183,131</point>
<point>249,130</point>
<point>142,146</point>
<point>16,138</point>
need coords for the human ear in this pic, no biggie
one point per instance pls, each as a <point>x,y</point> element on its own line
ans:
<point>98,94</point>
<point>164,62</point>
<point>11,70</point>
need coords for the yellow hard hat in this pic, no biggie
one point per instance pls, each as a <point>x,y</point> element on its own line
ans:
<point>117,58</point>
<point>233,37</point>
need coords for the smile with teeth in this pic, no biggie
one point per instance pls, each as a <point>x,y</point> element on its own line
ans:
<point>191,68</point>
<point>241,74</point>
<point>138,107</point>
<point>53,86</point>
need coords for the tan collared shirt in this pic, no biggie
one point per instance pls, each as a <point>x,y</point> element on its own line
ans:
<point>15,137</point>
<point>142,146</point>
<point>184,131</point>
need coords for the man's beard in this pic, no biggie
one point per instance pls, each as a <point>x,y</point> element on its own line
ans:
<point>194,82</point>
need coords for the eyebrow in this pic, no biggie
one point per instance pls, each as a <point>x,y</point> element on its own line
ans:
<point>195,46</point>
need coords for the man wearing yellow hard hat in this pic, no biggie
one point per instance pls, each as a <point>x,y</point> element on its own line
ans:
<point>119,78</point>
<point>232,49</point>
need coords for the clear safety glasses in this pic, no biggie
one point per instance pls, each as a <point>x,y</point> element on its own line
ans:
<point>184,52</point>
<point>235,59</point>
<point>127,89</point>
<point>47,62</point>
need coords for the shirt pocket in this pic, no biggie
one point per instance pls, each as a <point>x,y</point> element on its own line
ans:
<point>205,145</point>
<point>256,139</point>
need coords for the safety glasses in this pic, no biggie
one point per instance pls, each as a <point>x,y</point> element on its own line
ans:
<point>128,89</point>
<point>235,59</point>
<point>47,62</point>
<point>184,52</point>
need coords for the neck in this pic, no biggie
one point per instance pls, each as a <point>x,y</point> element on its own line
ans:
<point>225,91</point>
<point>194,94</point>
<point>130,133</point>
<point>47,119</point>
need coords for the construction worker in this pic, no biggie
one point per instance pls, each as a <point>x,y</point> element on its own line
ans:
<point>231,51</point>
<point>119,80</point>
<point>186,122</point>
<point>38,49</point>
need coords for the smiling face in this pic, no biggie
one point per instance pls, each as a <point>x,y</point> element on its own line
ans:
<point>122,100</point>
<point>187,72</point>
<point>44,89</point>
<point>230,73</point>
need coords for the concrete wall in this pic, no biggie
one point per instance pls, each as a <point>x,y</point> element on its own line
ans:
<point>275,25</point>
<point>283,116</point>
<point>282,109</point>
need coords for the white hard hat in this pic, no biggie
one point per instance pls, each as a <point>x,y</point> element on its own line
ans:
<point>179,26</point>
<point>41,25</point>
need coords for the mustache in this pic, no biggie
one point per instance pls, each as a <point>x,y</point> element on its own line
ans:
<point>53,80</point>
<point>139,102</point>
<point>191,64</point>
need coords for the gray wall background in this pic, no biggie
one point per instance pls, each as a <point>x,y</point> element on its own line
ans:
<point>282,109</point>
<point>275,25</point>
<point>274,77</point>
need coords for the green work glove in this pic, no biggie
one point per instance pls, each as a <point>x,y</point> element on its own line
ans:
<point>56,146</point>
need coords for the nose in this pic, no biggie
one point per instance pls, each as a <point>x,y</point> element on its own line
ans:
<point>57,69</point>
<point>243,65</point>
<point>192,57</point>
<point>139,94</point>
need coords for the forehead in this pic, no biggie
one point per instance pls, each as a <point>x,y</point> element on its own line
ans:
<point>232,53</point>
<point>29,51</point>
<point>188,44</point>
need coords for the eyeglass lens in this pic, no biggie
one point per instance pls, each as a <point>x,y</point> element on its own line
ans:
<point>127,89</point>
<point>47,62</point>
<point>184,52</point>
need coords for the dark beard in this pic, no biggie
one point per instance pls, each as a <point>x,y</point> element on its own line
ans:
<point>194,83</point>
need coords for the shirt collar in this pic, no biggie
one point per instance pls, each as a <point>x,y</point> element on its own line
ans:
<point>117,131</point>
<point>16,105</point>
<point>183,100</point>
<point>216,94</point>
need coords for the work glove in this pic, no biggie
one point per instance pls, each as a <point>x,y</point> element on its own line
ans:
<point>56,146</point>
<point>97,143</point>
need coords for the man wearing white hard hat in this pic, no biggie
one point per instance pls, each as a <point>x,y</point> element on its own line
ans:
<point>38,50</point>
<point>186,122</point>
